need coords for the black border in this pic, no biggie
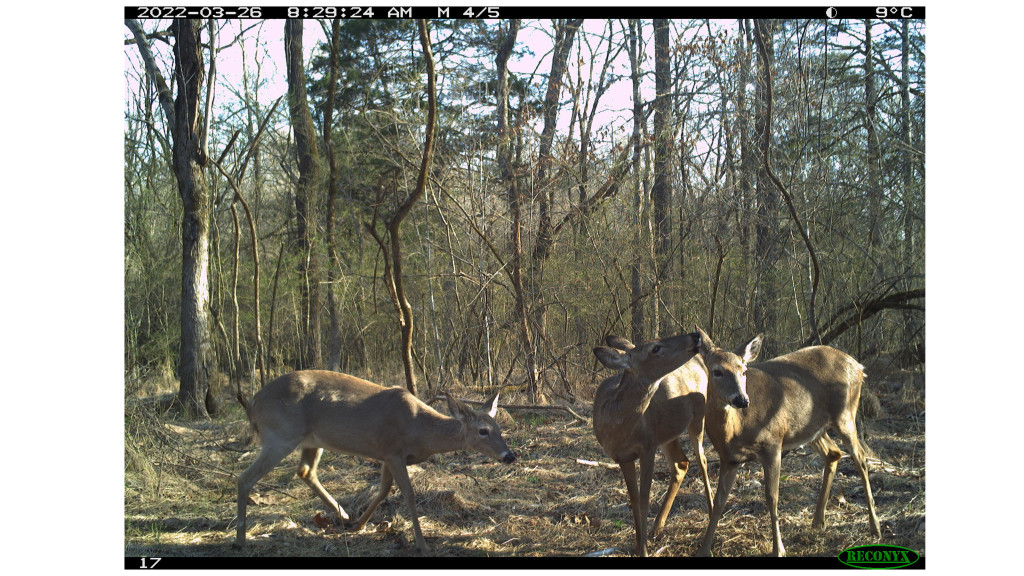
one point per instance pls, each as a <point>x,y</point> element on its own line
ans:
<point>591,12</point>
<point>497,563</point>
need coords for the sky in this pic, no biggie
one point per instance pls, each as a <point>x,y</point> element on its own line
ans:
<point>265,41</point>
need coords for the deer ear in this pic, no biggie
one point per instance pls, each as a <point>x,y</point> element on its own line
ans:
<point>706,344</point>
<point>491,405</point>
<point>750,350</point>
<point>455,408</point>
<point>619,343</point>
<point>697,340</point>
<point>611,358</point>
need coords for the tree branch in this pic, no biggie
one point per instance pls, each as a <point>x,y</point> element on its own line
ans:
<point>863,309</point>
<point>163,92</point>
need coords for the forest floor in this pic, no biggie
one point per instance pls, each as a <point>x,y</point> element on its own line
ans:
<point>563,497</point>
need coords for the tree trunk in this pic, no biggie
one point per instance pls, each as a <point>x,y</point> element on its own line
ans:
<point>874,190</point>
<point>662,190</point>
<point>195,352</point>
<point>910,328</point>
<point>745,194</point>
<point>504,155</point>
<point>564,34</point>
<point>636,288</point>
<point>394,229</point>
<point>767,225</point>
<point>334,263</point>
<point>306,196</point>
<point>762,49</point>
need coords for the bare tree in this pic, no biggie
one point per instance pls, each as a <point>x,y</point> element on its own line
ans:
<point>767,224</point>
<point>565,31</point>
<point>515,200</point>
<point>907,171</point>
<point>394,228</point>
<point>874,189</point>
<point>393,275</point>
<point>636,288</point>
<point>764,54</point>
<point>190,160</point>
<point>307,196</point>
<point>744,194</point>
<point>662,189</point>
<point>333,184</point>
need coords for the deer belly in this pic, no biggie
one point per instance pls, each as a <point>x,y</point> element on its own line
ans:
<point>336,445</point>
<point>802,438</point>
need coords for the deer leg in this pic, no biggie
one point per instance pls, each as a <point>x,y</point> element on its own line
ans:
<point>678,464</point>
<point>629,475</point>
<point>401,475</point>
<point>848,432</point>
<point>726,477</point>
<point>307,471</point>
<point>386,479</point>
<point>772,463</point>
<point>646,477</point>
<point>274,450</point>
<point>830,455</point>
<point>697,439</point>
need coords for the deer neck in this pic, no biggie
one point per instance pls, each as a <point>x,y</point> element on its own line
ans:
<point>634,394</point>
<point>619,414</point>
<point>449,435</point>
<point>722,421</point>
<point>436,434</point>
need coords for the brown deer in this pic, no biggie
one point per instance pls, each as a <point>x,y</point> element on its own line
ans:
<point>755,411</point>
<point>315,409</point>
<point>658,395</point>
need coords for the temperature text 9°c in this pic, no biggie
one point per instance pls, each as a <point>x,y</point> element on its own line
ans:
<point>894,12</point>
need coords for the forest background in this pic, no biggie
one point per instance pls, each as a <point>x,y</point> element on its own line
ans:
<point>316,234</point>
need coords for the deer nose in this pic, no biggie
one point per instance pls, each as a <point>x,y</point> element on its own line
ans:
<point>509,457</point>
<point>740,401</point>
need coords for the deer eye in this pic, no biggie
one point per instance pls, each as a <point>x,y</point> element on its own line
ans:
<point>717,372</point>
<point>484,432</point>
<point>656,349</point>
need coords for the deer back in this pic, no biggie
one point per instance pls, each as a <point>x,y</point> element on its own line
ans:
<point>344,413</point>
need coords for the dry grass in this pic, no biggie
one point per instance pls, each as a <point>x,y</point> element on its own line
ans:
<point>180,487</point>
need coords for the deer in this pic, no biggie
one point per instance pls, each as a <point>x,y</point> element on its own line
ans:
<point>755,411</point>
<point>658,395</point>
<point>315,409</point>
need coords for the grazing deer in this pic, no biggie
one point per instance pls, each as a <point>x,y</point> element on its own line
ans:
<point>315,409</point>
<point>755,411</point>
<point>658,395</point>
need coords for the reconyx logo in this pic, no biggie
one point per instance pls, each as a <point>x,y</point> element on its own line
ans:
<point>878,556</point>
